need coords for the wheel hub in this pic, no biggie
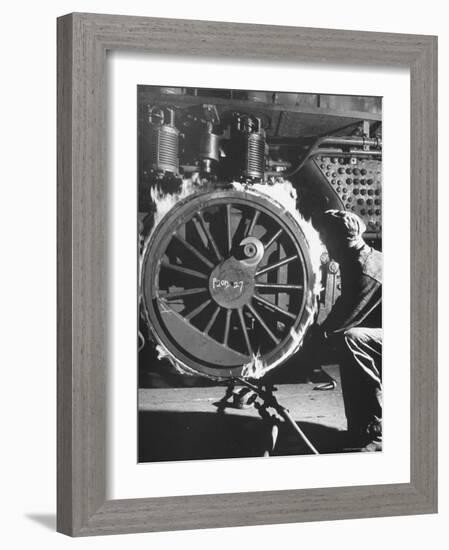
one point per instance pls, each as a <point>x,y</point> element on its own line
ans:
<point>231,284</point>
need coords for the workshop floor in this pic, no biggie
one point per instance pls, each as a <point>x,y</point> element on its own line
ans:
<point>182,423</point>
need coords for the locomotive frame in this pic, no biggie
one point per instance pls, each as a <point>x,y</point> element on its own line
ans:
<point>83,508</point>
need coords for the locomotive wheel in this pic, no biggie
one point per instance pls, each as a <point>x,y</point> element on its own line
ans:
<point>226,277</point>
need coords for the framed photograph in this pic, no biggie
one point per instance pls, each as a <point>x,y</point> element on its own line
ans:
<point>246,235</point>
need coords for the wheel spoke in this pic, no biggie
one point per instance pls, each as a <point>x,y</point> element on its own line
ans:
<point>212,320</point>
<point>184,270</point>
<point>245,332</point>
<point>263,324</point>
<point>209,235</point>
<point>228,226</point>
<point>200,232</point>
<point>273,239</point>
<point>278,287</point>
<point>194,251</point>
<point>274,306</point>
<point>198,310</point>
<point>277,265</point>
<point>253,223</point>
<point>227,326</point>
<point>182,293</point>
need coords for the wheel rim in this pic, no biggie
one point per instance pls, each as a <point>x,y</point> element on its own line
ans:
<point>226,276</point>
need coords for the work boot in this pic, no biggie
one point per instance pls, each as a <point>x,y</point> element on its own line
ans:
<point>372,446</point>
<point>367,439</point>
<point>374,433</point>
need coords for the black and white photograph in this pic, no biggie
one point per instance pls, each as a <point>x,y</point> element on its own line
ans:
<point>260,273</point>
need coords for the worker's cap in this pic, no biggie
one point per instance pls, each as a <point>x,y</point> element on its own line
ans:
<point>342,224</point>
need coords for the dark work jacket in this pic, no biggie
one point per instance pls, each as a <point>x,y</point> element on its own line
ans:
<point>360,302</point>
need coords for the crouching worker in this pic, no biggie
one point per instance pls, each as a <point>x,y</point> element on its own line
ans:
<point>353,327</point>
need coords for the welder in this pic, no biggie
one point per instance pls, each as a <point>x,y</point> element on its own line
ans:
<point>353,328</point>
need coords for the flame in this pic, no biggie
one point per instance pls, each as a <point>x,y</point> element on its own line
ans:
<point>256,368</point>
<point>282,192</point>
<point>164,201</point>
<point>163,353</point>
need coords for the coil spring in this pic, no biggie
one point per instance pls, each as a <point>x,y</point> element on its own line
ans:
<point>165,149</point>
<point>255,160</point>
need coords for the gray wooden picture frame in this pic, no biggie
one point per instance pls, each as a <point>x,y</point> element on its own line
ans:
<point>83,40</point>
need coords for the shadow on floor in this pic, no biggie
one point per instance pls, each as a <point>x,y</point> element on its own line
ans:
<point>171,435</point>
<point>46,520</point>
